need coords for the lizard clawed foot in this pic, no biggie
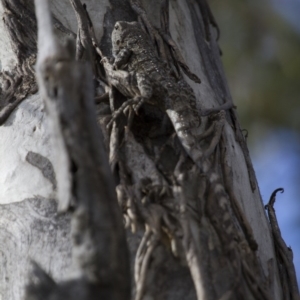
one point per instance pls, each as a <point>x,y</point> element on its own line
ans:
<point>134,104</point>
<point>137,106</point>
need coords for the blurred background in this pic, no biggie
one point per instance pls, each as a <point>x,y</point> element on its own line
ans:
<point>260,41</point>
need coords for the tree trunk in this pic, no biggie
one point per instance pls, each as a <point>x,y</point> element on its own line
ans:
<point>193,232</point>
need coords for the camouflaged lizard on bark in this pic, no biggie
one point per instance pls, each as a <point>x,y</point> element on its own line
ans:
<point>139,74</point>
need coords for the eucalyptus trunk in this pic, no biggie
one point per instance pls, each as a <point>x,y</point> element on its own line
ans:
<point>66,177</point>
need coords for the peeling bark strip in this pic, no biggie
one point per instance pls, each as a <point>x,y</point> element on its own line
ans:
<point>284,254</point>
<point>84,41</point>
<point>208,19</point>
<point>99,245</point>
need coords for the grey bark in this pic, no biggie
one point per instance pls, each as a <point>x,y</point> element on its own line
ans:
<point>54,158</point>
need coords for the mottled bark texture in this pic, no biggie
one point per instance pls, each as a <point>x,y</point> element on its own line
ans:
<point>194,230</point>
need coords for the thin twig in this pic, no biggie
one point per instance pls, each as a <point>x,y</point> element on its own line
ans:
<point>284,252</point>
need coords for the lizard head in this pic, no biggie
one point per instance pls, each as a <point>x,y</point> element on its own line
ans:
<point>124,33</point>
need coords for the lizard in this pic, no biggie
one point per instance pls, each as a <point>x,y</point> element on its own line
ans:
<point>140,75</point>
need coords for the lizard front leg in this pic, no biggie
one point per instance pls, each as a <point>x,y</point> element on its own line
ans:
<point>132,85</point>
<point>120,79</point>
<point>122,58</point>
<point>143,93</point>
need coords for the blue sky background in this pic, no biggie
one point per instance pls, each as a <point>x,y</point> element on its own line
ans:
<point>276,160</point>
<point>290,10</point>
